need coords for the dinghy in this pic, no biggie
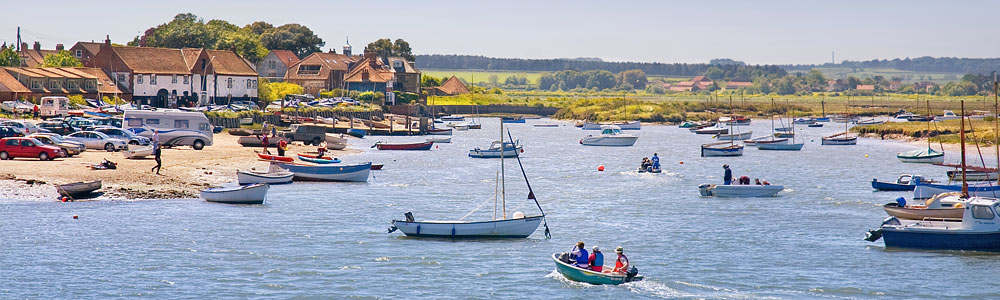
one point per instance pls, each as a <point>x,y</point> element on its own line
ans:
<point>270,157</point>
<point>337,172</point>
<point>973,175</point>
<point>134,152</point>
<point>630,125</point>
<point>734,137</point>
<point>439,131</point>
<point>335,141</point>
<point>840,139</point>
<point>712,130</point>
<point>938,207</point>
<point>358,133</point>
<point>453,118</point>
<point>426,145</point>
<point>509,150</point>
<point>251,177</point>
<point>721,149</point>
<point>767,139</point>
<point>317,160</point>
<point>575,273</point>
<point>924,190</point>
<point>78,189</point>
<point>921,156</point>
<point>611,135</point>
<point>739,191</point>
<point>512,119</point>
<point>444,140</point>
<point>546,125</point>
<point>781,147</point>
<point>244,194</point>
<point>815,125</point>
<point>905,182</point>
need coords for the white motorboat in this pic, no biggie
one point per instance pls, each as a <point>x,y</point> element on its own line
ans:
<point>739,191</point>
<point>509,150</point>
<point>611,135</point>
<point>251,177</point>
<point>734,136</point>
<point>138,152</point>
<point>977,230</point>
<point>244,194</point>
<point>439,139</point>
<point>948,115</point>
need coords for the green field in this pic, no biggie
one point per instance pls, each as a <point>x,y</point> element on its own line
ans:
<point>481,77</point>
<point>907,76</point>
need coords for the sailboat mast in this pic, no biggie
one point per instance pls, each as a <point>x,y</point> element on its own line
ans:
<point>929,115</point>
<point>496,190</point>
<point>965,184</point>
<point>503,183</point>
<point>996,123</point>
<point>772,120</point>
<point>732,119</point>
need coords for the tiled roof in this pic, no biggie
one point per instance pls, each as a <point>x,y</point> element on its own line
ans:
<point>369,70</point>
<point>93,47</point>
<point>453,86</point>
<point>327,62</point>
<point>865,87</point>
<point>408,66</point>
<point>229,63</point>
<point>738,84</point>
<point>286,56</point>
<point>10,84</point>
<point>148,60</point>
<point>104,83</point>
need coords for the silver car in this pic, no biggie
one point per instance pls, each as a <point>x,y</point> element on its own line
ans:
<point>118,133</point>
<point>97,140</point>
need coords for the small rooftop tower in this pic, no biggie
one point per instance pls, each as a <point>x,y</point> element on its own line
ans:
<point>347,47</point>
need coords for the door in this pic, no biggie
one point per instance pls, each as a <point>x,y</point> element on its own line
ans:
<point>161,99</point>
<point>28,149</point>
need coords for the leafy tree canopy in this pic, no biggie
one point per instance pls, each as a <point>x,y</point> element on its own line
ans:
<point>388,47</point>
<point>9,58</point>
<point>61,59</point>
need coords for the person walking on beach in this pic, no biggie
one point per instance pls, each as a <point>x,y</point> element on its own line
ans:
<point>156,157</point>
<point>265,141</point>
<point>728,178</point>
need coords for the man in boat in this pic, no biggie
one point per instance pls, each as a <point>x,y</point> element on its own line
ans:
<point>656,161</point>
<point>580,256</point>
<point>596,260</point>
<point>645,164</point>
<point>282,146</point>
<point>621,264</point>
<point>728,178</point>
<point>744,180</point>
<point>756,181</point>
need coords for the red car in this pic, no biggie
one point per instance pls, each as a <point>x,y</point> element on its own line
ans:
<point>14,147</point>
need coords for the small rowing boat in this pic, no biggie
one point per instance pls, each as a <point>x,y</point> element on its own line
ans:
<point>442,139</point>
<point>78,189</point>
<point>244,194</point>
<point>377,167</point>
<point>337,172</point>
<point>739,191</point>
<point>251,177</point>
<point>317,159</point>
<point>439,131</point>
<point>592,277</point>
<point>404,146</point>
<point>270,157</point>
<point>358,133</point>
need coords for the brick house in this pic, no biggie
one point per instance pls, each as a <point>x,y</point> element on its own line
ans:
<point>320,71</point>
<point>36,55</point>
<point>370,75</point>
<point>34,83</point>
<point>450,87</point>
<point>85,51</point>
<point>407,75</point>
<point>274,66</point>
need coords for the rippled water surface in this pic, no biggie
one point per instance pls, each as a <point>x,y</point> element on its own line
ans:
<point>328,240</point>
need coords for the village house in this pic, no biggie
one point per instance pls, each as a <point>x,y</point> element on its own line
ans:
<point>274,66</point>
<point>320,71</point>
<point>407,75</point>
<point>36,55</point>
<point>697,83</point>
<point>85,51</point>
<point>34,83</point>
<point>450,87</point>
<point>865,87</point>
<point>895,85</point>
<point>370,75</point>
<point>162,77</point>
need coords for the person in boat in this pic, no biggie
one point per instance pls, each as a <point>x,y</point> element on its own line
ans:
<point>321,151</point>
<point>728,178</point>
<point>756,181</point>
<point>766,183</point>
<point>656,161</point>
<point>744,180</point>
<point>580,256</point>
<point>645,163</point>
<point>282,147</point>
<point>621,264</point>
<point>596,260</point>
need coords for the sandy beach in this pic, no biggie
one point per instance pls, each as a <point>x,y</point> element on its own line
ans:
<point>185,171</point>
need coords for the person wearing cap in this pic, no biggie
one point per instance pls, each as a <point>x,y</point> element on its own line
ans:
<point>728,178</point>
<point>596,260</point>
<point>580,255</point>
<point>621,264</point>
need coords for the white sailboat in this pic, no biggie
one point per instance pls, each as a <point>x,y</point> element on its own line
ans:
<point>721,148</point>
<point>517,225</point>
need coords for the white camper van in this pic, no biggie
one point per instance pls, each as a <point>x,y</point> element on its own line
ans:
<point>54,106</point>
<point>176,127</point>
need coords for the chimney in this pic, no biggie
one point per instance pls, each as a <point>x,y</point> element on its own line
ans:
<point>24,46</point>
<point>37,46</point>
<point>331,51</point>
<point>107,40</point>
<point>59,47</point>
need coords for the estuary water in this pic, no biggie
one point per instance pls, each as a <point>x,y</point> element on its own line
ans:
<point>329,240</point>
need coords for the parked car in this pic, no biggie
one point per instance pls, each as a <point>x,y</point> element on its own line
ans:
<point>14,147</point>
<point>305,133</point>
<point>26,127</point>
<point>68,149</point>
<point>58,127</point>
<point>110,122</point>
<point>97,140</point>
<point>83,124</point>
<point>10,132</point>
<point>118,133</point>
<point>61,139</point>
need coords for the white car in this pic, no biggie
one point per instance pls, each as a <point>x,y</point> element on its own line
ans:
<point>118,133</point>
<point>27,127</point>
<point>97,140</point>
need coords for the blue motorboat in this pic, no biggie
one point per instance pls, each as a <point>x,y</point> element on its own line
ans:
<point>905,182</point>
<point>977,230</point>
<point>512,119</point>
<point>358,133</point>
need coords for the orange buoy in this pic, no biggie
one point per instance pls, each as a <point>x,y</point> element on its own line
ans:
<point>682,162</point>
<point>600,168</point>
<point>75,217</point>
<point>64,199</point>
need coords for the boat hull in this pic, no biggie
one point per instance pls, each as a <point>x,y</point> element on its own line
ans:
<point>739,191</point>
<point>440,131</point>
<point>587,276</point>
<point>921,156</point>
<point>412,146</point>
<point>727,151</point>
<point>889,186</point>
<point>927,190</point>
<point>614,141</point>
<point>840,141</point>
<point>78,189</point>
<point>138,152</point>
<point>250,177</point>
<point>317,160</point>
<point>248,194</point>
<point>335,142</point>
<point>780,147</point>
<point>973,175</point>
<point>444,140</point>
<point>348,173</point>
<point>634,125</point>
<point>939,240</point>
<point>358,133</point>
<point>735,136</point>
<point>269,157</point>
<point>510,228</point>
<point>490,153</point>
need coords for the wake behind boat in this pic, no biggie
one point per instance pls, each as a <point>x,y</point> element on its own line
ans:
<point>739,191</point>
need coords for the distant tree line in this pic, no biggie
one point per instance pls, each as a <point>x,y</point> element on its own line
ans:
<point>465,62</point>
<point>920,64</point>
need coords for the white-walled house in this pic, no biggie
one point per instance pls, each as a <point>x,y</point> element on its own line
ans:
<point>162,77</point>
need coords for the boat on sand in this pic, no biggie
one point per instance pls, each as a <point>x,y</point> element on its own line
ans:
<point>251,177</point>
<point>78,189</point>
<point>244,194</point>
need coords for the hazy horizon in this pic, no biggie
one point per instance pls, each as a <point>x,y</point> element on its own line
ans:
<point>770,32</point>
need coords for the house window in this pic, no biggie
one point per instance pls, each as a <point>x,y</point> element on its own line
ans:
<point>185,79</point>
<point>308,69</point>
<point>152,79</point>
<point>36,84</point>
<point>121,79</point>
<point>54,84</point>
<point>249,83</point>
<point>271,63</point>
<point>229,82</point>
<point>255,84</point>
<point>138,78</point>
<point>79,53</point>
<point>181,123</point>
<point>173,79</point>
<point>72,84</point>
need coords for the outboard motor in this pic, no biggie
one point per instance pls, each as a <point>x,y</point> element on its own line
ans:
<point>409,216</point>
<point>630,274</point>
<point>705,189</point>
<point>564,257</point>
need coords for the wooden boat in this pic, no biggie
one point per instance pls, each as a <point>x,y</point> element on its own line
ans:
<point>978,229</point>
<point>474,125</point>
<point>767,139</point>
<point>611,135</point>
<point>509,150</point>
<point>78,189</point>
<point>815,125</point>
<point>721,149</point>
<point>240,131</point>
<point>905,182</point>
<point>439,131</point>
<point>253,141</point>
<point>712,130</point>
<point>973,175</point>
<point>512,119</point>
<point>443,140</point>
<point>317,160</point>
<point>921,156</point>
<point>404,146</point>
<point>781,147</point>
<point>251,177</point>
<point>630,125</point>
<point>244,194</point>
<point>574,273</point>
<point>840,139</point>
<point>784,135</point>
<point>739,191</point>
<point>377,167</point>
<point>734,136</point>
<point>358,133</point>
<point>338,172</point>
<point>137,151</point>
<point>938,207</point>
<point>270,157</point>
<point>336,141</point>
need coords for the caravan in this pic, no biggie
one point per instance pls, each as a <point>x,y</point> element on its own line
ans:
<point>54,106</point>
<point>176,127</point>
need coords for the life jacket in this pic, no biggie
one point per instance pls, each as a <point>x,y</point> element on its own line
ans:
<point>596,259</point>
<point>619,265</point>
<point>581,256</point>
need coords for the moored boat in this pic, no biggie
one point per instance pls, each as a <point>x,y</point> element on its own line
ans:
<point>316,159</point>
<point>734,136</point>
<point>924,190</point>
<point>78,189</point>
<point>712,130</point>
<point>721,149</point>
<point>244,194</point>
<point>977,230</point>
<point>358,133</point>
<point>842,138</point>
<point>921,156</point>
<point>574,273</point>
<point>512,119</point>
<point>337,172</point>
<point>938,207</point>
<point>739,191</point>
<point>611,135</point>
<point>781,147</point>
<point>251,177</point>
<point>973,175</point>
<point>767,139</point>
<point>905,182</point>
<point>426,145</point>
<point>443,140</point>
<point>510,149</point>
<point>815,125</point>
<point>439,131</point>
<point>270,157</point>
<point>630,125</point>
<point>452,118</point>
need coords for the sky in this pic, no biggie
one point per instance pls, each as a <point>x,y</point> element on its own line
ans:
<point>757,32</point>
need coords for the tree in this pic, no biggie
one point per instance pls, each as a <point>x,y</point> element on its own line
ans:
<point>402,48</point>
<point>429,81</point>
<point>61,59</point>
<point>244,43</point>
<point>715,73</point>
<point>9,57</point>
<point>185,30</point>
<point>297,38</point>
<point>269,91</point>
<point>636,78</point>
<point>387,47</point>
<point>494,80</point>
<point>258,28</point>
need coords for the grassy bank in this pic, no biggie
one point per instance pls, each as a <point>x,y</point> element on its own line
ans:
<point>981,131</point>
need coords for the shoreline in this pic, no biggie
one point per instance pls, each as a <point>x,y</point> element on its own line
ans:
<point>988,151</point>
<point>185,172</point>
